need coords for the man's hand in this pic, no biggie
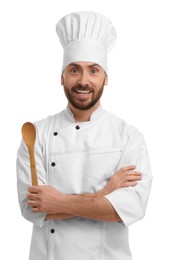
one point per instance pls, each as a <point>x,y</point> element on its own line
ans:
<point>45,198</point>
<point>123,178</point>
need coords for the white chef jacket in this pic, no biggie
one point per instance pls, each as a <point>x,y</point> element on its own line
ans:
<point>80,158</point>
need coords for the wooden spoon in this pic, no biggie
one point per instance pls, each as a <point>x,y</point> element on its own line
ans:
<point>29,137</point>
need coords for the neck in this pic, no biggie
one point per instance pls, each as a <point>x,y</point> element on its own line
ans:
<point>83,115</point>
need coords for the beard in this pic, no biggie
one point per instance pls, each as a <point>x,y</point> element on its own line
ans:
<point>83,104</point>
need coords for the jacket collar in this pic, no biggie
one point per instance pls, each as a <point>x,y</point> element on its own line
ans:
<point>94,116</point>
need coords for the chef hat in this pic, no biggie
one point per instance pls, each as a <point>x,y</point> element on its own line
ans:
<point>86,36</point>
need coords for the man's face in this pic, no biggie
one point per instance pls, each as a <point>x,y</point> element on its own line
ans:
<point>83,84</point>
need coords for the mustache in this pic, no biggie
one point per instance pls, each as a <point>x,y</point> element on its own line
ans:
<point>80,87</point>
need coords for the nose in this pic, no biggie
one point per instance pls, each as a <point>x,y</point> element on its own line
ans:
<point>83,79</point>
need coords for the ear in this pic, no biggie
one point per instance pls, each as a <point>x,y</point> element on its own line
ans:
<point>62,81</point>
<point>106,80</point>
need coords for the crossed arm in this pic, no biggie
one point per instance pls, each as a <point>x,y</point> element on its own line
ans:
<point>58,205</point>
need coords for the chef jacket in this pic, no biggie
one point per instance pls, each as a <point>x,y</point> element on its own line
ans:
<point>80,158</point>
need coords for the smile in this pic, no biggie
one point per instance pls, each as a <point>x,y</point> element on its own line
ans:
<point>83,91</point>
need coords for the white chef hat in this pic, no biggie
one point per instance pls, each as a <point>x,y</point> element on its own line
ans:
<point>86,36</point>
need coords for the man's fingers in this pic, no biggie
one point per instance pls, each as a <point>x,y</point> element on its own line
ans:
<point>32,196</point>
<point>32,203</point>
<point>129,184</point>
<point>35,209</point>
<point>127,168</point>
<point>123,174</point>
<point>134,173</point>
<point>33,189</point>
<point>133,177</point>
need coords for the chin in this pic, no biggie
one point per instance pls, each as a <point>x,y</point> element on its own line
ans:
<point>84,106</point>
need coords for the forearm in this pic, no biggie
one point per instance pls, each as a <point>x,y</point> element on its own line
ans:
<point>58,216</point>
<point>62,216</point>
<point>87,206</point>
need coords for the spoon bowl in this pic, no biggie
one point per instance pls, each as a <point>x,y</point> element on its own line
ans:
<point>29,137</point>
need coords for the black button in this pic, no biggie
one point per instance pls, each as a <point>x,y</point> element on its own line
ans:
<point>52,231</point>
<point>77,127</point>
<point>55,133</point>
<point>53,164</point>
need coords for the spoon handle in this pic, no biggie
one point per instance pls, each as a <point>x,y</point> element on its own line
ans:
<point>33,168</point>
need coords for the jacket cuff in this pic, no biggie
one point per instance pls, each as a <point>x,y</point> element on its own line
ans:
<point>36,218</point>
<point>126,205</point>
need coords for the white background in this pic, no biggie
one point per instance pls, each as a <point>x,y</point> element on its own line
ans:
<point>30,65</point>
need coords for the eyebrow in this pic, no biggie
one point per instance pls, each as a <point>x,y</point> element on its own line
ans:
<point>77,65</point>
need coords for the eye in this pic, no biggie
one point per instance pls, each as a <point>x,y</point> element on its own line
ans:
<point>94,70</point>
<point>74,70</point>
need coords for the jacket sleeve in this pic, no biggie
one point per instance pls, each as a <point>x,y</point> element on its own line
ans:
<point>130,203</point>
<point>24,180</point>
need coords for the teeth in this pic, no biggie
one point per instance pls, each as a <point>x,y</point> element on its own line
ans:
<point>83,91</point>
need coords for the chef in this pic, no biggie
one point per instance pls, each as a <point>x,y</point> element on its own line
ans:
<point>93,168</point>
